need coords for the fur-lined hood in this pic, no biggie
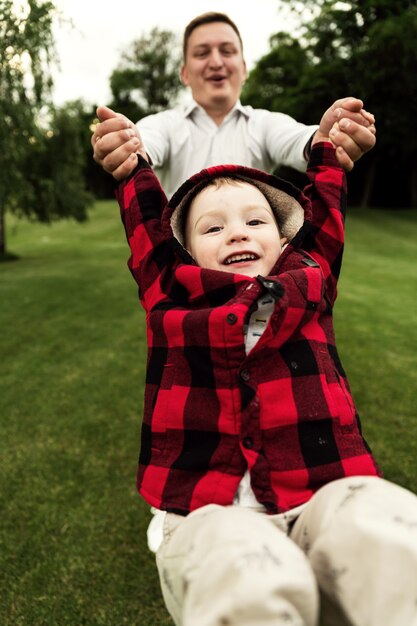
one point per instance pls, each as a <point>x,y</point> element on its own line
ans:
<point>289,204</point>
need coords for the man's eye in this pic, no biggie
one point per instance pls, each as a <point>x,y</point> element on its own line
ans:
<point>228,51</point>
<point>201,54</point>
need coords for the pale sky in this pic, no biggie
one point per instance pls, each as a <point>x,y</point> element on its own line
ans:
<point>90,51</point>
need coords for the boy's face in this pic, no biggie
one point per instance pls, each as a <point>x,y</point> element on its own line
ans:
<point>232,228</point>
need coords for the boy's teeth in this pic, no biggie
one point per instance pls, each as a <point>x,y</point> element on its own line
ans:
<point>240,257</point>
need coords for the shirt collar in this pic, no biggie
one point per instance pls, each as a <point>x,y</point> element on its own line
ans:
<point>193,106</point>
<point>239,107</point>
<point>190,107</point>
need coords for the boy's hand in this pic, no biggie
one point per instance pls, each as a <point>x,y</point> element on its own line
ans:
<point>350,128</point>
<point>116,142</point>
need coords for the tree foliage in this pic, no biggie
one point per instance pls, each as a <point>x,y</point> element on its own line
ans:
<point>364,48</point>
<point>55,167</point>
<point>273,84</point>
<point>25,82</point>
<point>147,79</point>
<point>41,171</point>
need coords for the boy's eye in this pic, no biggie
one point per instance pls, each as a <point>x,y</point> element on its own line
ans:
<point>213,229</point>
<point>255,222</point>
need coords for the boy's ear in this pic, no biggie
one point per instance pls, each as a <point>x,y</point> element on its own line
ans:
<point>284,242</point>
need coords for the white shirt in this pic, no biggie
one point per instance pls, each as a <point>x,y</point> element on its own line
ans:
<point>184,140</point>
<point>244,495</point>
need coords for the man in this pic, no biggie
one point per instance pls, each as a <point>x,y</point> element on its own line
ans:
<point>215,128</point>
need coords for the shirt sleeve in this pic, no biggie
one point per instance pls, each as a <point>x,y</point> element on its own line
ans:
<point>155,134</point>
<point>142,200</point>
<point>282,138</point>
<point>328,193</point>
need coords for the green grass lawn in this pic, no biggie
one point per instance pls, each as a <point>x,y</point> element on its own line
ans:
<point>72,530</point>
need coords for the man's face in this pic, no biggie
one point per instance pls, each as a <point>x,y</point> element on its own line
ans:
<point>214,67</point>
<point>232,228</point>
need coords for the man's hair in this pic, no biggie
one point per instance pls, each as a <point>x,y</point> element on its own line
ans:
<point>207,18</point>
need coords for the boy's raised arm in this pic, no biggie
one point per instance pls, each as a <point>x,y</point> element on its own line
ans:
<point>327,191</point>
<point>142,200</point>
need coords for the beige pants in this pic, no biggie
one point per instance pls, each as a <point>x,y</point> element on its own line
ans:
<point>353,549</point>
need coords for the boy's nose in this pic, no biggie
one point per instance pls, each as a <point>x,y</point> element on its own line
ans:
<point>238,235</point>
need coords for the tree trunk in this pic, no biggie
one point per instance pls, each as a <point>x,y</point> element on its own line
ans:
<point>413,184</point>
<point>368,185</point>
<point>2,231</point>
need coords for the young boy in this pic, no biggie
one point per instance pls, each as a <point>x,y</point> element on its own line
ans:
<point>251,450</point>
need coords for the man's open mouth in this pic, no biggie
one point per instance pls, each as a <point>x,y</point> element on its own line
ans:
<point>238,258</point>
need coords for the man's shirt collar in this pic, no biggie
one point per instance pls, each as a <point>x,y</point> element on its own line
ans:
<point>192,106</point>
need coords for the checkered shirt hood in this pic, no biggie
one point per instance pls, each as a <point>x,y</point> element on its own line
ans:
<point>287,202</point>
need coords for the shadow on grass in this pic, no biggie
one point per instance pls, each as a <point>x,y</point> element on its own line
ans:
<point>9,256</point>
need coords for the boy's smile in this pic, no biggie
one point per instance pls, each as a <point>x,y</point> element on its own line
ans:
<point>241,258</point>
<point>232,228</point>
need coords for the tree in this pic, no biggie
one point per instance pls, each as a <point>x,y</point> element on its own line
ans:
<point>25,82</point>
<point>385,71</point>
<point>147,80</point>
<point>273,83</point>
<point>55,167</point>
<point>41,171</point>
<point>364,48</point>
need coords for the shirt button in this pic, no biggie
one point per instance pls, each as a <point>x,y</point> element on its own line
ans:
<point>244,374</point>
<point>247,443</point>
<point>273,286</point>
<point>231,318</point>
<point>294,365</point>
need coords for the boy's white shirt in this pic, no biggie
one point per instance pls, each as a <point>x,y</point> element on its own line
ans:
<point>244,495</point>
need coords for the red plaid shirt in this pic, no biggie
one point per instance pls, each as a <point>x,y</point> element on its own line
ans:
<point>284,411</point>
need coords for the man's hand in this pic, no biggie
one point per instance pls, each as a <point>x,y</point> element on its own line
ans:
<point>116,142</point>
<point>350,128</point>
